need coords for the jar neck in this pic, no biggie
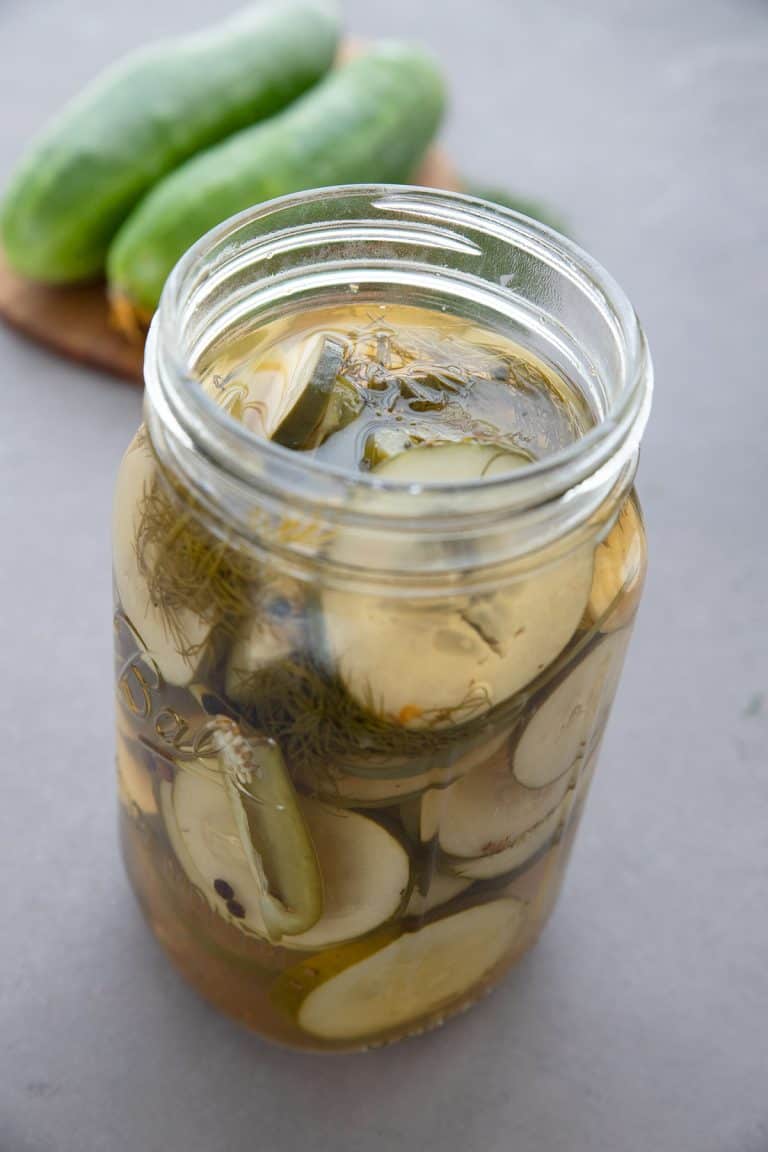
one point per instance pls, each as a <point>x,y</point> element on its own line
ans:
<point>439,250</point>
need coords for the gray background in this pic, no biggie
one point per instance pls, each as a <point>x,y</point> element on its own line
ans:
<point>641,1022</point>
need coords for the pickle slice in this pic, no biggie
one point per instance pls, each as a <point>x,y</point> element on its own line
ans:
<point>441,888</point>
<point>293,985</point>
<point>375,792</point>
<point>176,663</point>
<point>618,576</point>
<point>450,463</point>
<point>236,826</point>
<point>488,823</point>
<point>314,378</point>
<point>568,714</point>
<point>344,406</point>
<point>421,814</point>
<point>366,875</point>
<point>358,874</point>
<point>384,444</point>
<point>521,851</point>
<point>376,785</point>
<point>272,831</point>
<point>472,653</point>
<point>406,980</point>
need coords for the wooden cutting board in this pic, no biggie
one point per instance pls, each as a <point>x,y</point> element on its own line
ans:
<point>75,321</point>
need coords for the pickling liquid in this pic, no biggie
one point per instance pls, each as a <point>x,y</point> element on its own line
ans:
<point>347,814</point>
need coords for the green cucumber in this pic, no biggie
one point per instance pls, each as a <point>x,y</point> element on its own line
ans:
<point>144,117</point>
<point>369,121</point>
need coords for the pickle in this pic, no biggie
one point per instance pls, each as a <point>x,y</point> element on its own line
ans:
<point>487,823</point>
<point>441,889</point>
<point>472,654</point>
<point>618,577</point>
<point>375,783</point>
<point>277,846</point>
<point>269,861</point>
<point>293,986</point>
<point>366,875</point>
<point>372,791</point>
<point>177,651</point>
<point>313,382</point>
<point>240,835</point>
<point>567,714</point>
<point>522,850</point>
<point>405,981</point>
<point>384,444</point>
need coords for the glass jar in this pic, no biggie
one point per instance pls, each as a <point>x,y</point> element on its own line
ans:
<point>358,718</point>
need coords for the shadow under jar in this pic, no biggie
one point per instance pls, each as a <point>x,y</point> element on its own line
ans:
<point>377,559</point>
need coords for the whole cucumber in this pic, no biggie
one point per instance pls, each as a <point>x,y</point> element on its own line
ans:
<point>369,121</point>
<point>143,118</point>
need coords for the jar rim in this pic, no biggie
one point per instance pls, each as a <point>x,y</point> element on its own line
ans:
<point>188,413</point>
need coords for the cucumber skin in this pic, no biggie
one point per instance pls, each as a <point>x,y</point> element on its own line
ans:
<point>144,117</point>
<point>370,121</point>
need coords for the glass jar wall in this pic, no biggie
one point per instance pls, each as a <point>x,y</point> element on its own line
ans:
<point>377,560</point>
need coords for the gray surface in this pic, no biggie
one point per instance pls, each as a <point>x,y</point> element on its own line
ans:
<point>640,1022</point>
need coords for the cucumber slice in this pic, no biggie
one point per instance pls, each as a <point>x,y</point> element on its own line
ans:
<point>619,570</point>
<point>421,815</point>
<point>473,652</point>
<point>450,463</point>
<point>372,792</point>
<point>588,772</point>
<point>384,444</point>
<point>375,785</point>
<point>364,869</point>
<point>344,406</point>
<point>366,875</point>
<point>411,978</point>
<point>312,383</point>
<point>521,851</point>
<point>488,823</point>
<point>136,477</point>
<point>201,828</point>
<point>238,831</point>
<point>568,714</point>
<point>413,818</point>
<point>272,831</point>
<point>290,989</point>
<point>440,890</point>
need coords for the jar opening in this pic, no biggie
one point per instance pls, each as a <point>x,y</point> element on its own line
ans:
<point>442,250</point>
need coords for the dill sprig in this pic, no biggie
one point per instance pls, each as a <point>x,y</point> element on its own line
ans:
<point>189,569</point>
<point>324,730</point>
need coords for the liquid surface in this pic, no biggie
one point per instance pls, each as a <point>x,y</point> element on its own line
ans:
<point>347,813</point>
<point>359,385</point>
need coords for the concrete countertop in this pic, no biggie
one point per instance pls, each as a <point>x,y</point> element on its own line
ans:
<point>639,1024</point>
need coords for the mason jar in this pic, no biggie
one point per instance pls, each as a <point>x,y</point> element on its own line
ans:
<point>358,712</point>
